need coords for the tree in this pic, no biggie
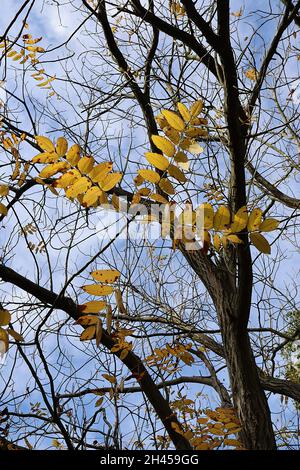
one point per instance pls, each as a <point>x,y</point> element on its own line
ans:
<point>188,105</point>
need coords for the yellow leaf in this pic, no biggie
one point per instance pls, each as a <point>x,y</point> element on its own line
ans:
<point>110,181</point>
<point>97,289</point>
<point>85,164</point>
<point>73,155</point>
<point>150,175</point>
<point>176,173</point>
<point>184,112</point>
<point>87,320</point>
<point>99,402</point>
<point>205,213</point>
<point>119,301</point>
<point>66,179</point>
<point>158,198</point>
<point>172,134</point>
<point>99,331</point>
<point>4,340</point>
<point>166,186</point>
<point>108,319</point>
<point>251,74</point>
<point>100,171</point>
<point>80,187</point>
<point>221,218</point>
<point>254,220</point>
<point>234,239</point>
<point>5,317</point>
<point>94,306</point>
<point>232,442</point>
<point>240,220</point>
<point>4,190</point>
<point>260,243</point>
<point>61,146</point>
<point>45,143</point>
<point>269,225</point>
<point>195,148</point>
<point>217,242</point>
<point>110,378</point>
<point>3,209</point>
<point>52,169</point>
<point>157,160</point>
<point>91,196</point>
<point>88,333</point>
<point>180,157</point>
<point>108,276</point>
<point>196,108</point>
<point>164,144</point>
<point>45,157</point>
<point>174,120</point>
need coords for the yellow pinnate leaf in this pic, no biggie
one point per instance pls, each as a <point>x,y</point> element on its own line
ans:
<point>91,196</point>
<point>176,173</point>
<point>172,134</point>
<point>180,157</point>
<point>4,340</point>
<point>260,242</point>
<point>88,333</point>
<point>61,146</point>
<point>66,179</point>
<point>88,320</point>
<point>46,157</point>
<point>45,143</point>
<point>174,120</point>
<point>100,171</point>
<point>110,181</point>
<point>79,187</point>
<point>221,218</point>
<point>205,215</point>
<point>232,442</point>
<point>52,169</point>
<point>111,378</point>
<point>195,148</point>
<point>182,108</point>
<point>217,242</point>
<point>108,276</point>
<point>94,306</point>
<point>164,144</point>
<point>158,198</point>
<point>85,164</point>
<point>149,175</point>
<point>161,121</point>
<point>97,289</point>
<point>268,225</point>
<point>240,220</point>
<point>196,108</point>
<point>5,317</point>
<point>254,220</point>
<point>4,190</point>
<point>73,154</point>
<point>144,191</point>
<point>234,239</point>
<point>15,335</point>
<point>157,160</point>
<point>167,186</point>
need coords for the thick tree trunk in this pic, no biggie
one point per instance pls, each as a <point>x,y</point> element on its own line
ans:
<point>248,396</point>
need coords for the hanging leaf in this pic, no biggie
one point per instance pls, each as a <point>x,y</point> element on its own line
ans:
<point>3,209</point>
<point>174,120</point>
<point>157,160</point>
<point>196,108</point>
<point>110,378</point>
<point>85,164</point>
<point>99,330</point>
<point>165,145</point>
<point>94,306</point>
<point>87,320</point>
<point>88,333</point>
<point>167,186</point>
<point>217,242</point>
<point>73,155</point>
<point>158,198</point>
<point>150,175</point>
<point>184,112</point>
<point>221,218</point>
<point>91,196</point>
<point>108,276</point>
<point>97,289</point>
<point>234,239</point>
<point>176,173</point>
<point>260,243</point>
<point>61,146</point>
<point>45,143</point>
<point>254,220</point>
<point>205,214</point>
<point>4,340</point>
<point>5,317</point>
<point>269,225</point>
<point>4,190</point>
<point>180,157</point>
<point>108,319</point>
<point>240,220</point>
<point>110,181</point>
<point>172,134</point>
